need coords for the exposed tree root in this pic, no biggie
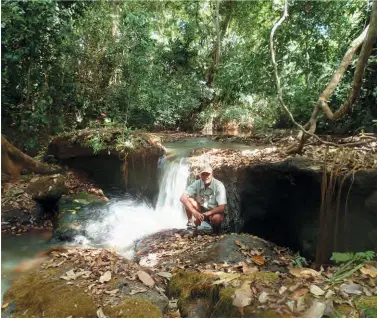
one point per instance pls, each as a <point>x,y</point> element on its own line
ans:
<point>13,161</point>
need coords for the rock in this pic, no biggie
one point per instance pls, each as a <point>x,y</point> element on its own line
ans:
<point>47,188</point>
<point>42,293</point>
<point>130,166</point>
<point>152,295</point>
<point>74,212</point>
<point>226,250</point>
<point>198,297</point>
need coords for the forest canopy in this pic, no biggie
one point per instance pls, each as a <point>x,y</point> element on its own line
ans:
<point>168,65</point>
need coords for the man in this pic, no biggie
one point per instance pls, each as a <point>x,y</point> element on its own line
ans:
<point>205,200</point>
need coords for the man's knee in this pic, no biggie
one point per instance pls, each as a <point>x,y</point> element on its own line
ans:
<point>194,203</point>
<point>217,219</point>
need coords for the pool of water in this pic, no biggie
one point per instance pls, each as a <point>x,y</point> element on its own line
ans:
<point>15,249</point>
<point>184,147</point>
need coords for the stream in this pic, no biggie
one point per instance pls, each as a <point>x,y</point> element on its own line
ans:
<point>124,219</point>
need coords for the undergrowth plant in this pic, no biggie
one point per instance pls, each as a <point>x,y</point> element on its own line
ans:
<point>350,262</point>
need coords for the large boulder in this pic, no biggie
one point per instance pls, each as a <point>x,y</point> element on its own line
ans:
<point>47,188</point>
<point>74,212</point>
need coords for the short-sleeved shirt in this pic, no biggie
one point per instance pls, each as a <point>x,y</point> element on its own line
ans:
<point>210,197</point>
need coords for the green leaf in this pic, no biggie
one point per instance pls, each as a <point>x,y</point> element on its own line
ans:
<point>342,257</point>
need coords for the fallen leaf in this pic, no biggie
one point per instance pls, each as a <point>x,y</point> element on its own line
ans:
<point>367,292</point>
<point>298,293</point>
<point>304,272</point>
<point>248,270</point>
<point>263,297</point>
<point>317,291</point>
<point>105,277</point>
<point>329,294</point>
<point>242,296</point>
<point>259,260</point>
<point>100,313</point>
<point>369,270</point>
<point>145,278</point>
<point>5,305</point>
<point>282,290</point>
<point>165,274</point>
<point>301,305</point>
<point>69,275</point>
<point>137,291</point>
<point>291,305</point>
<point>242,245</point>
<point>238,243</point>
<point>111,292</point>
<point>316,310</point>
<point>225,278</point>
<point>354,289</point>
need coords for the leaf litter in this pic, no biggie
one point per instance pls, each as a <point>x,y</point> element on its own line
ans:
<point>93,269</point>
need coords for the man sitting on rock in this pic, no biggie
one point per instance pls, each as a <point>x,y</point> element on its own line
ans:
<point>205,200</point>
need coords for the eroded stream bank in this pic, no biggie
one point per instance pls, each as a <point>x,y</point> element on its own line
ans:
<point>268,196</point>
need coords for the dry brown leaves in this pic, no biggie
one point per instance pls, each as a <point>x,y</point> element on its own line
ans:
<point>270,149</point>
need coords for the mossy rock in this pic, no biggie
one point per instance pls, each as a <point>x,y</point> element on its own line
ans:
<point>199,297</point>
<point>47,188</point>
<point>74,213</point>
<point>133,308</point>
<point>43,294</point>
<point>365,301</point>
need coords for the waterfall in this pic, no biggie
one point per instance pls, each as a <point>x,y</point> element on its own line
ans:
<point>125,220</point>
<point>173,182</point>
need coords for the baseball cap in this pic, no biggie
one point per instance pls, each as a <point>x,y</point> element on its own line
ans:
<point>205,168</point>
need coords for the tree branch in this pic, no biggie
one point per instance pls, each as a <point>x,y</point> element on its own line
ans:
<point>309,128</point>
<point>279,88</point>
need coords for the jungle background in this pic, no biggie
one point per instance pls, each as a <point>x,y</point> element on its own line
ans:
<point>165,65</point>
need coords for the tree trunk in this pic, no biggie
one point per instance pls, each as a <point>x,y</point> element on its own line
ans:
<point>13,161</point>
<point>366,39</point>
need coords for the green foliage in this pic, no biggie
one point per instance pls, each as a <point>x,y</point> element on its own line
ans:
<point>351,262</point>
<point>369,312</point>
<point>299,261</point>
<point>345,257</point>
<point>72,65</point>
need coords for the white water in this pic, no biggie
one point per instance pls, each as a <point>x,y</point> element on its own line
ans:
<point>125,220</point>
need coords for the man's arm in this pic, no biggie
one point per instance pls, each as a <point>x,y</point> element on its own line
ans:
<point>185,201</point>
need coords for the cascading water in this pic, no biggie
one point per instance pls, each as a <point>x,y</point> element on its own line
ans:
<point>123,221</point>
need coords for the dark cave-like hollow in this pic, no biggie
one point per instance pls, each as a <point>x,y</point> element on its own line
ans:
<point>281,202</point>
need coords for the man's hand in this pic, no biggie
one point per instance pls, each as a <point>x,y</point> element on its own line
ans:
<point>198,216</point>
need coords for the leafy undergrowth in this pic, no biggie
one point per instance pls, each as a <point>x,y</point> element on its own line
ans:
<point>110,139</point>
